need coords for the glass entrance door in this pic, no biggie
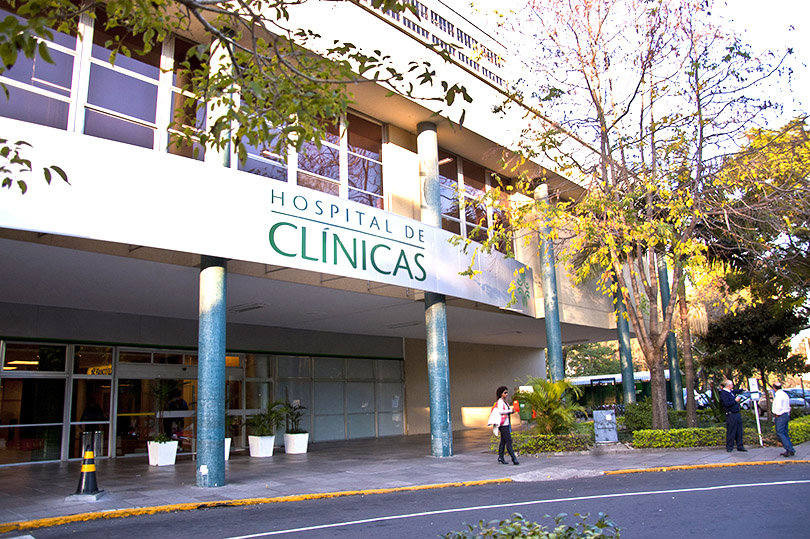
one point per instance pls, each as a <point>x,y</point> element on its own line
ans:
<point>157,394</point>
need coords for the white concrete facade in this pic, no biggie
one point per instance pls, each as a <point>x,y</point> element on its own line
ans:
<point>112,261</point>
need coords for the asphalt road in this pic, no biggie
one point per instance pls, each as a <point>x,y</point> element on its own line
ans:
<point>761,501</point>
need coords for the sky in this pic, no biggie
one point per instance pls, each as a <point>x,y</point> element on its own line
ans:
<point>774,25</point>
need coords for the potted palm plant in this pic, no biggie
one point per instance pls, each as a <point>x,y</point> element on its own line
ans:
<point>162,448</point>
<point>296,439</point>
<point>262,427</point>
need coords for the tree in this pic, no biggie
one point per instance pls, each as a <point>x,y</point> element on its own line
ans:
<point>755,341</point>
<point>262,80</point>
<point>768,246</point>
<point>662,92</point>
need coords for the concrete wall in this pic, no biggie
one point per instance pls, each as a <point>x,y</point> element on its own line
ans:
<point>75,325</point>
<point>476,371</point>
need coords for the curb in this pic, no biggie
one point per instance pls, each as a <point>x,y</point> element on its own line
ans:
<point>138,511</point>
<point>704,466</point>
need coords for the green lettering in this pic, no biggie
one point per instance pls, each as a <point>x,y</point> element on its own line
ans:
<point>304,245</point>
<point>402,263</point>
<point>352,258</point>
<point>416,258</point>
<point>273,243</point>
<point>374,263</point>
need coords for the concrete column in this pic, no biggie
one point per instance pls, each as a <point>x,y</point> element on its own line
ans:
<point>675,384</point>
<point>438,358</point>
<point>625,350</point>
<point>211,374</point>
<point>548,276</point>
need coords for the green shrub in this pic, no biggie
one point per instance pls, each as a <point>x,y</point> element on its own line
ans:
<point>527,443</point>
<point>518,527</point>
<point>799,429</point>
<point>714,436</point>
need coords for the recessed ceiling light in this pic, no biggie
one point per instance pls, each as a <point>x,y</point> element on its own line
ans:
<point>245,307</point>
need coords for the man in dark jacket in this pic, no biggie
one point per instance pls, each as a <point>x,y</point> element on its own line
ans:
<point>734,428</point>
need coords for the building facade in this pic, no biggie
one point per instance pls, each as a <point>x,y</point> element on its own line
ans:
<point>328,256</point>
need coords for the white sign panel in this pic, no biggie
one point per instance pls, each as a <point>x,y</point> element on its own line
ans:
<point>130,195</point>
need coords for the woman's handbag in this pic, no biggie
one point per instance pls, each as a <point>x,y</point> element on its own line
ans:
<point>495,420</point>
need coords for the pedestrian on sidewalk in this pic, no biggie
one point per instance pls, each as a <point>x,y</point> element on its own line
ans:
<point>505,427</point>
<point>734,428</point>
<point>781,413</point>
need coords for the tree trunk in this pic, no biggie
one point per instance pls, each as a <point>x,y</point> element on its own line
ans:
<point>658,385</point>
<point>688,361</point>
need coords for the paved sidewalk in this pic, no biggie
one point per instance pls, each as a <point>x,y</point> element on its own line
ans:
<point>34,492</point>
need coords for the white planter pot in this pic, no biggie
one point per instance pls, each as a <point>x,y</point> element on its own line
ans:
<point>296,443</point>
<point>162,454</point>
<point>227,448</point>
<point>261,446</point>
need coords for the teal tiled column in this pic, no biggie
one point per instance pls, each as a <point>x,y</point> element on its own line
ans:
<point>211,374</point>
<point>438,358</point>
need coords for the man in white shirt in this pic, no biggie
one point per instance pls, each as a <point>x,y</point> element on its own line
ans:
<point>781,412</point>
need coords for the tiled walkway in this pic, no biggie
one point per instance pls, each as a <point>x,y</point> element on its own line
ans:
<point>38,491</point>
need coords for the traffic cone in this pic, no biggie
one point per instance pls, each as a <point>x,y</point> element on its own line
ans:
<point>88,488</point>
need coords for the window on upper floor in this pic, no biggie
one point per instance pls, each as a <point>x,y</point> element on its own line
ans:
<point>347,163</point>
<point>462,183</point>
<point>38,91</point>
<point>131,101</point>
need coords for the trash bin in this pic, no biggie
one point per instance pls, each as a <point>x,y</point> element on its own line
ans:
<point>604,426</point>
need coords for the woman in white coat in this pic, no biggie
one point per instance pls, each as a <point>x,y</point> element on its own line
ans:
<point>505,410</point>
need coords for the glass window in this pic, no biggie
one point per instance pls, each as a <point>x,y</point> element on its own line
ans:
<point>360,397</point>
<point>360,369</point>
<point>91,401</point>
<point>262,161</point>
<point>390,424</point>
<point>318,184</point>
<point>30,444</point>
<point>55,77</point>
<point>111,128</point>
<point>258,366</point>
<point>34,357</point>
<point>167,358</point>
<point>186,112</point>
<point>348,166</point>
<point>31,401</point>
<point>31,107</point>
<point>389,397</point>
<point>361,426</point>
<point>323,161</point>
<point>328,427</point>
<point>99,440</point>
<point>258,395</point>
<point>389,369</point>
<point>134,357</point>
<point>147,65</point>
<point>121,93</point>
<point>328,398</point>
<point>365,137</point>
<point>475,183</point>
<point>293,367</point>
<point>329,368</point>
<point>42,82</point>
<point>95,360</point>
<point>146,407</point>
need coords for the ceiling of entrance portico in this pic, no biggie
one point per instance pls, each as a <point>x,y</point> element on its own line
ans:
<point>54,276</point>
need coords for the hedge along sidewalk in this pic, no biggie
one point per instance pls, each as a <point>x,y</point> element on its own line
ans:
<point>526,442</point>
<point>798,429</point>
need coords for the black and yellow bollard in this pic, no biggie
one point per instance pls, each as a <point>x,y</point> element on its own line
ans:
<point>88,487</point>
